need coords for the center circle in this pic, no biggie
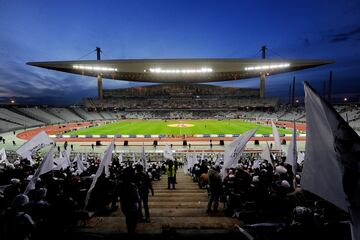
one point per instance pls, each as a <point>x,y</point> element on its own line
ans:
<point>180,125</point>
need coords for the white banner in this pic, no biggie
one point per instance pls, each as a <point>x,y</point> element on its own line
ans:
<point>3,157</point>
<point>276,136</point>
<point>332,166</point>
<point>291,156</point>
<point>168,154</point>
<point>143,158</point>
<point>234,150</point>
<point>266,154</point>
<point>45,166</point>
<point>30,147</point>
<point>105,161</point>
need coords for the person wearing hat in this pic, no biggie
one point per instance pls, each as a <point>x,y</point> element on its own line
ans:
<point>215,188</point>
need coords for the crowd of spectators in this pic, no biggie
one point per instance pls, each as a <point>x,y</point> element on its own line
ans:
<point>267,196</point>
<point>56,206</point>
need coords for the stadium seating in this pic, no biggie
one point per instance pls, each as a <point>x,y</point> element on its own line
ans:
<point>65,114</point>
<point>17,118</point>
<point>6,126</point>
<point>89,116</point>
<point>41,115</point>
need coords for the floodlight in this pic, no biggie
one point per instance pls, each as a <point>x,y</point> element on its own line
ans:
<point>95,68</point>
<point>267,67</point>
<point>181,70</point>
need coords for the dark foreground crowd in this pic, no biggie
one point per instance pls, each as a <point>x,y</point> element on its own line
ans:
<point>57,204</point>
<point>267,197</point>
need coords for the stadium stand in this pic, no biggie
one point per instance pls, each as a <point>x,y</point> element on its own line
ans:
<point>14,117</point>
<point>41,115</point>
<point>65,114</point>
<point>89,116</point>
<point>6,126</point>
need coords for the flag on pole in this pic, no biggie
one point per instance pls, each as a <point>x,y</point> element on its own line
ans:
<point>143,158</point>
<point>79,164</point>
<point>3,157</point>
<point>67,157</point>
<point>105,161</point>
<point>266,154</point>
<point>168,154</point>
<point>120,158</point>
<point>234,149</point>
<point>39,141</point>
<point>301,157</point>
<point>60,162</point>
<point>332,165</point>
<point>276,136</point>
<point>256,164</point>
<point>45,166</point>
<point>291,156</point>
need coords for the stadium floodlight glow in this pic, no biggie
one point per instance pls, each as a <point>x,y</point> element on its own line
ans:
<point>267,67</point>
<point>95,68</point>
<point>181,71</point>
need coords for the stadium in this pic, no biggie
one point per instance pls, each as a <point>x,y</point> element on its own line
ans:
<point>187,148</point>
<point>142,122</point>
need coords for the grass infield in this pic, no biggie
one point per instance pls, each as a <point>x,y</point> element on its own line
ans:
<point>176,127</point>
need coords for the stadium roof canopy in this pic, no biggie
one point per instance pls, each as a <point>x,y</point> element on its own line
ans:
<point>179,70</point>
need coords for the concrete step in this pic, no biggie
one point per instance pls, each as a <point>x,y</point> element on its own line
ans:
<point>177,198</point>
<point>175,212</point>
<point>172,204</point>
<point>184,194</point>
<point>179,190</point>
<point>158,223</point>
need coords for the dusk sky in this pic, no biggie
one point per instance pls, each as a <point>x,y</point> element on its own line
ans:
<point>67,30</point>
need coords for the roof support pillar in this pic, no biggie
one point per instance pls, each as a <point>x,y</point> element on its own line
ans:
<point>100,87</point>
<point>99,77</point>
<point>262,85</point>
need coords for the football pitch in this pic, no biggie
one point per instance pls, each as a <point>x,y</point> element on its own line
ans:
<point>176,127</point>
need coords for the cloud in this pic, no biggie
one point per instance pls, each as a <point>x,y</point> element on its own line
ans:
<point>343,36</point>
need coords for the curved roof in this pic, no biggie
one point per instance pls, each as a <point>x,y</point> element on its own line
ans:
<point>179,70</point>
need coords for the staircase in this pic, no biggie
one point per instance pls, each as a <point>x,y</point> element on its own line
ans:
<point>179,213</point>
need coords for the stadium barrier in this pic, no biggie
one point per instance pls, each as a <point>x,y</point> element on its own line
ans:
<point>164,136</point>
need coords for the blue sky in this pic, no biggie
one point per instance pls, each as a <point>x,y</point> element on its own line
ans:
<point>67,30</point>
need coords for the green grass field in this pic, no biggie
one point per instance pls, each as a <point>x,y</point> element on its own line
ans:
<point>155,127</point>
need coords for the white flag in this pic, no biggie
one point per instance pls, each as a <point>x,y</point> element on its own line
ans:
<point>59,162</point>
<point>3,157</point>
<point>266,154</point>
<point>120,158</point>
<point>30,147</point>
<point>168,154</point>
<point>234,149</point>
<point>79,164</point>
<point>301,157</point>
<point>143,158</point>
<point>256,164</point>
<point>332,164</point>
<point>291,156</point>
<point>190,158</point>
<point>67,157</point>
<point>105,161</point>
<point>45,166</point>
<point>276,136</point>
